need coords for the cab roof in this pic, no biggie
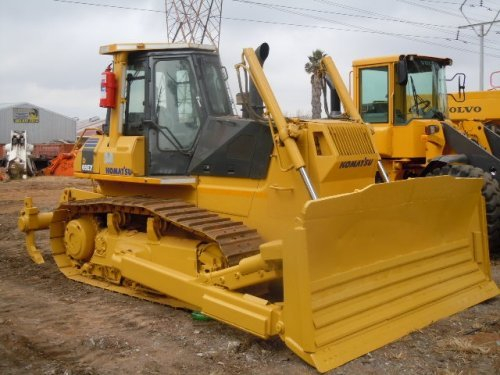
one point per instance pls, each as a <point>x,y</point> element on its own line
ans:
<point>396,58</point>
<point>130,47</point>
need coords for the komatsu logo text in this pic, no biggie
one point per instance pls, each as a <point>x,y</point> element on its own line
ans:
<point>120,171</point>
<point>356,163</point>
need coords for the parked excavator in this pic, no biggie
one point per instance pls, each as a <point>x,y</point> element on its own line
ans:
<point>62,164</point>
<point>273,225</point>
<point>404,99</point>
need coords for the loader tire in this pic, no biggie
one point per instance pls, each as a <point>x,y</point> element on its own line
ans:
<point>491,194</point>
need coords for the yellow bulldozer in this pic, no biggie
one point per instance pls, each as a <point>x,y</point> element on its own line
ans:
<point>404,99</point>
<point>272,225</point>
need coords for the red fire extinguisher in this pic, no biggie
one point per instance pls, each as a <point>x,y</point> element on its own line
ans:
<point>108,89</point>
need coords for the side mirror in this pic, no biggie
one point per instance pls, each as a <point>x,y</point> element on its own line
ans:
<point>495,80</point>
<point>224,73</point>
<point>461,87</point>
<point>402,72</point>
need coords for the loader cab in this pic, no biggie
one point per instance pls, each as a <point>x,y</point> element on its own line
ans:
<point>398,95</point>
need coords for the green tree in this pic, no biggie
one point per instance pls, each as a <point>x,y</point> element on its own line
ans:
<point>313,67</point>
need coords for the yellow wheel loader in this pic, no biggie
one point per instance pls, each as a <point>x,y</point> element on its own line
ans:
<point>482,106</point>
<point>404,99</point>
<point>272,225</point>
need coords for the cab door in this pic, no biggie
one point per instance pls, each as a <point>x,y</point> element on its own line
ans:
<point>176,113</point>
<point>375,105</point>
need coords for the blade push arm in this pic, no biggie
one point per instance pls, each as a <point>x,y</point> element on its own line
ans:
<point>265,91</point>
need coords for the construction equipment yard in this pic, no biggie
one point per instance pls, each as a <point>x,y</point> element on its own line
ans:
<point>51,326</point>
<point>203,228</point>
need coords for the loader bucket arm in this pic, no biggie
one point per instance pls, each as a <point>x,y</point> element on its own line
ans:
<point>341,88</point>
<point>351,287</point>
<point>477,155</point>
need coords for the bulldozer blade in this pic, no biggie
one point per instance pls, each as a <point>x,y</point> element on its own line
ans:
<point>364,269</point>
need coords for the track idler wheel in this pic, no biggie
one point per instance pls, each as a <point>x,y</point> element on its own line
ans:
<point>79,238</point>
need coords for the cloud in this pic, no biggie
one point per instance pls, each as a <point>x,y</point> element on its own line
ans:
<point>51,48</point>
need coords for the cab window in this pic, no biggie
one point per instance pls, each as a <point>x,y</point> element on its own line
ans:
<point>424,95</point>
<point>216,87</point>
<point>374,94</point>
<point>177,105</point>
<point>135,92</point>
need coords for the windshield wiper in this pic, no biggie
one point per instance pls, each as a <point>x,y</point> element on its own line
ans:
<point>418,101</point>
<point>415,96</point>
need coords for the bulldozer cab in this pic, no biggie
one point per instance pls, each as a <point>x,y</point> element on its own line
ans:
<point>172,117</point>
<point>169,96</point>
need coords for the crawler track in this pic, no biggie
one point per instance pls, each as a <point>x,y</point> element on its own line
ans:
<point>235,239</point>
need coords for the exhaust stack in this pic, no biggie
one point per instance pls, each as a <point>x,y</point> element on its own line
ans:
<point>255,99</point>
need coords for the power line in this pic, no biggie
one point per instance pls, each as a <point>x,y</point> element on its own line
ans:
<point>439,28</point>
<point>368,30</point>
<point>358,28</point>
<point>459,3</point>
<point>447,12</point>
<point>440,2</point>
<point>429,27</point>
<point>109,6</point>
<point>326,27</point>
<point>481,34</point>
<point>248,20</point>
<point>385,18</point>
<point>355,28</point>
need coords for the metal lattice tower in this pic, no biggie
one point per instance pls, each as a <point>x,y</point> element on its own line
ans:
<point>194,21</point>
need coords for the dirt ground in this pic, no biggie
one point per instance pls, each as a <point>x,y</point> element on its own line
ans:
<point>51,325</point>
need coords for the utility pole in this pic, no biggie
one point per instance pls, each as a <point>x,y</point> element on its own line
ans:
<point>481,34</point>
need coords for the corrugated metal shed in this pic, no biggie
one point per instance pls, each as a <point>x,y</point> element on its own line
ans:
<point>42,125</point>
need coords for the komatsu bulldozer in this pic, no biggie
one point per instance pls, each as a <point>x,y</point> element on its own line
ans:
<point>404,98</point>
<point>272,225</point>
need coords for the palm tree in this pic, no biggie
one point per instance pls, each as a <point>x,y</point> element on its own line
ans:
<point>313,67</point>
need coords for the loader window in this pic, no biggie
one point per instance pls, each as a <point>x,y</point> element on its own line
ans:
<point>424,96</point>
<point>177,105</point>
<point>374,93</point>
